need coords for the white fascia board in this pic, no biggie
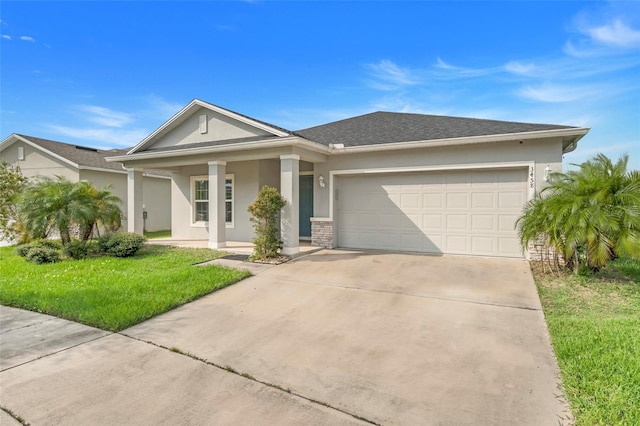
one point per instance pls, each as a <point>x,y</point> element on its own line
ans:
<point>578,132</point>
<point>39,148</point>
<point>197,102</point>
<point>242,146</point>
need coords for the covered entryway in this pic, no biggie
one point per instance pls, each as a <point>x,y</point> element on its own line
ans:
<point>458,212</point>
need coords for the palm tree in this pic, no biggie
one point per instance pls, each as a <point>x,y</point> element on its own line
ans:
<point>58,204</point>
<point>106,211</point>
<point>590,215</point>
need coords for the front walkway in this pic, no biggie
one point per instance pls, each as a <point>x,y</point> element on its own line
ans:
<point>235,247</point>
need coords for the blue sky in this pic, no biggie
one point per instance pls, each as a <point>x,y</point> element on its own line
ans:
<point>107,74</point>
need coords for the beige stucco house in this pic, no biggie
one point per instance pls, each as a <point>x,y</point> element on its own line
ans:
<point>393,181</point>
<point>43,157</point>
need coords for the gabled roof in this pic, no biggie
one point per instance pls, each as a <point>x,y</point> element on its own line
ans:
<point>392,127</point>
<point>77,156</point>
<point>194,105</point>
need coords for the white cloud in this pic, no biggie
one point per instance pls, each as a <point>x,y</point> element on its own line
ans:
<point>390,76</point>
<point>6,37</point>
<point>461,72</point>
<point>112,137</point>
<point>162,108</point>
<point>555,93</point>
<point>28,38</point>
<point>105,116</point>
<point>615,33</point>
<point>516,67</point>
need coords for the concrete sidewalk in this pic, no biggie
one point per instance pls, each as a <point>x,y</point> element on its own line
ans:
<point>26,336</point>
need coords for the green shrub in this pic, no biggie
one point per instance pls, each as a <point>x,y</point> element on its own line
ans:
<point>42,254</point>
<point>264,215</point>
<point>52,244</point>
<point>121,244</point>
<point>23,249</point>
<point>76,249</point>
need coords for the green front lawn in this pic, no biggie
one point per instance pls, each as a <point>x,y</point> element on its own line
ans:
<point>112,293</point>
<point>595,328</point>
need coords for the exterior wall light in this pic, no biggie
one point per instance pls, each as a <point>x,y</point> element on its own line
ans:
<point>321,181</point>
<point>547,173</point>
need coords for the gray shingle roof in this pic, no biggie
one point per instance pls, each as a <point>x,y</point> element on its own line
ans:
<point>388,127</point>
<point>80,155</point>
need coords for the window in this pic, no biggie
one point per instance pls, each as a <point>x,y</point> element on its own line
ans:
<point>200,199</point>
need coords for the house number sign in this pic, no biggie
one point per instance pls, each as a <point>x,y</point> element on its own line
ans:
<point>532,180</point>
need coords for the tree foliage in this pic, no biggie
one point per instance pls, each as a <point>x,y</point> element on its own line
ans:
<point>590,215</point>
<point>12,183</point>
<point>50,205</point>
<point>264,216</point>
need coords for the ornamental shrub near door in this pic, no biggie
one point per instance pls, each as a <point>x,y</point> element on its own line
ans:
<point>264,216</point>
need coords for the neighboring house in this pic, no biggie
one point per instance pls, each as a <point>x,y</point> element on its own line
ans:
<point>42,157</point>
<point>393,181</point>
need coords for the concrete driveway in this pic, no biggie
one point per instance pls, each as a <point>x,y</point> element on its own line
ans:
<point>356,337</point>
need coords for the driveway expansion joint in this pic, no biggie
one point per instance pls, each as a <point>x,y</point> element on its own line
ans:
<point>28,325</point>
<point>422,296</point>
<point>247,376</point>
<point>55,352</point>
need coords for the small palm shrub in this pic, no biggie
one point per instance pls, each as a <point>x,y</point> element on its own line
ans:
<point>42,254</point>
<point>120,244</point>
<point>586,217</point>
<point>264,216</point>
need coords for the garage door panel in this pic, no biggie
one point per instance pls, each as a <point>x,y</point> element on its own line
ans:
<point>456,244</point>
<point>483,245</point>
<point>468,212</point>
<point>457,200</point>
<point>432,222</point>
<point>432,200</point>
<point>482,200</point>
<point>482,222</point>
<point>510,199</point>
<point>506,222</point>
<point>410,200</point>
<point>456,222</point>
<point>507,246</point>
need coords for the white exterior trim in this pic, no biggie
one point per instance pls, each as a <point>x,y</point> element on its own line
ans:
<point>452,167</point>
<point>203,224</point>
<point>580,132</point>
<point>241,146</point>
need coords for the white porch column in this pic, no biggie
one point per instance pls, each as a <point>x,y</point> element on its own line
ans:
<point>289,188</point>
<point>135,221</point>
<point>217,237</point>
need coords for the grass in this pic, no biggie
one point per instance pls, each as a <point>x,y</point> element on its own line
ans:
<point>166,233</point>
<point>594,323</point>
<point>112,293</point>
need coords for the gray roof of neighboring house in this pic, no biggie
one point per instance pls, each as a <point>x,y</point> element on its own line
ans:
<point>80,155</point>
<point>389,127</point>
<point>87,156</point>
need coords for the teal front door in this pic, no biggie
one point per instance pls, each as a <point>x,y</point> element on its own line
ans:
<point>306,205</point>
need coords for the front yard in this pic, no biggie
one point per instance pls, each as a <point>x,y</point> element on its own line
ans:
<point>595,328</point>
<point>112,293</point>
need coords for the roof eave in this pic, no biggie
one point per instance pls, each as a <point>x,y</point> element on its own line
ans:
<point>242,146</point>
<point>576,133</point>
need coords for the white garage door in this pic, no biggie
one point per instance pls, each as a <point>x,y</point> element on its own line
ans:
<point>461,212</point>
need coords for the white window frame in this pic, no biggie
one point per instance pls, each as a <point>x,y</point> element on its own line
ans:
<point>227,177</point>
